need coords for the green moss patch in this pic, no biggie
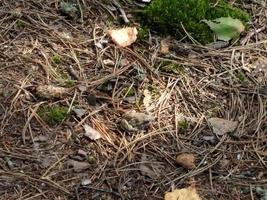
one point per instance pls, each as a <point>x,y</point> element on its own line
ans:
<point>53,115</point>
<point>173,16</point>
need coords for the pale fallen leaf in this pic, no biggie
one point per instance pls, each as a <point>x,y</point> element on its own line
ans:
<point>50,91</point>
<point>221,126</point>
<point>78,166</point>
<point>147,99</point>
<point>108,62</point>
<point>186,160</point>
<point>91,133</point>
<point>189,193</point>
<point>123,37</point>
<point>65,35</point>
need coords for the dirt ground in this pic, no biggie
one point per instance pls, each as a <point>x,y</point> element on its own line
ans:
<point>181,90</point>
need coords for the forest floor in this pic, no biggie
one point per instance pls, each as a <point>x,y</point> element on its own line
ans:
<point>41,158</point>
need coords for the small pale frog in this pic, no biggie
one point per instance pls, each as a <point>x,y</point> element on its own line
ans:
<point>133,121</point>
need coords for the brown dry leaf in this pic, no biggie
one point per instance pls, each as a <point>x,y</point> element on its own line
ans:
<point>91,133</point>
<point>123,37</point>
<point>186,160</point>
<point>221,126</point>
<point>189,193</point>
<point>50,91</point>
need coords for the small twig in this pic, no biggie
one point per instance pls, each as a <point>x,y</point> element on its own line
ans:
<point>251,34</point>
<point>123,14</point>
<point>28,122</point>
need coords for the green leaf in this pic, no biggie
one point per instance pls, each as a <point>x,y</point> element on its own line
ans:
<point>226,28</point>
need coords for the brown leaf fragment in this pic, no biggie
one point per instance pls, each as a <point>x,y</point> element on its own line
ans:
<point>186,160</point>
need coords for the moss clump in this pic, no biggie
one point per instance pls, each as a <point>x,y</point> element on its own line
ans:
<point>169,16</point>
<point>170,67</point>
<point>241,77</point>
<point>129,92</point>
<point>20,24</point>
<point>143,33</point>
<point>56,59</point>
<point>53,115</point>
<point>66,82</point>
<point>183,125</point>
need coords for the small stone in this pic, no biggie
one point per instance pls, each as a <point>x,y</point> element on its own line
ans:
<point>82,153</point>
<point>40,138</point>
<point>78,166</point>
<point>79,112</point>
<point>210,139</point>
<point>86,182</point>
<point>82,88</point>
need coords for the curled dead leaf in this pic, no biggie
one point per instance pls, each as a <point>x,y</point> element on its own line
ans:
<point>186,160</point>
<point>189,193</point>
<point>50,91</point>
<point>123,37</point>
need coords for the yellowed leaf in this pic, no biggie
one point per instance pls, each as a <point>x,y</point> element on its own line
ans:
<point>189,193</point>
<point>123,37</point>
